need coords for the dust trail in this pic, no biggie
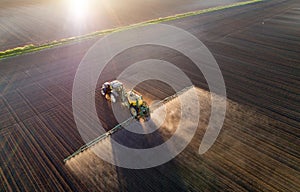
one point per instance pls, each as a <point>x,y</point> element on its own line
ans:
<point>93,171</point>
<point>164,118</point>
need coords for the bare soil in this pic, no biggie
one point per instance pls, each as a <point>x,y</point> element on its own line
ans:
<point>256,48</point>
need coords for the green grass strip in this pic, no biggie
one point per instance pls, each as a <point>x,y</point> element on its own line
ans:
<point>33,48</point>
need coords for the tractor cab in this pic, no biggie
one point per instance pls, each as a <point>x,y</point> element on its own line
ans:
<point>134,99</point>
<point>137,106</point>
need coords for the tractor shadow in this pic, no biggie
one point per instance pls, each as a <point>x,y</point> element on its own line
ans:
<point>165,177</point>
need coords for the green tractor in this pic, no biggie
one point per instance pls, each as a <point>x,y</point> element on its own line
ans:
<point>114,91</point>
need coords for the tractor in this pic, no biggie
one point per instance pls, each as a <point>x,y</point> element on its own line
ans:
<point>114,91</point>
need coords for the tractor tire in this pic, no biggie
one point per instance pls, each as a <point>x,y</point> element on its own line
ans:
<point>103,92</point>
<point>133,111</point>
<point>113,98</point>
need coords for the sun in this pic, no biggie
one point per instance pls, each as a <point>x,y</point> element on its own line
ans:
<point>78,8</point>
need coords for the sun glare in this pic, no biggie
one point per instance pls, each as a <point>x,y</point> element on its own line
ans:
<point>78,8</point>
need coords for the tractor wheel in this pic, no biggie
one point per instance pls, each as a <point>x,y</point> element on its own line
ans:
<point>113,98</point>
<point>103,92</point>
<point>133,111</point>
